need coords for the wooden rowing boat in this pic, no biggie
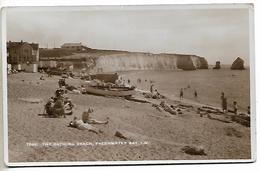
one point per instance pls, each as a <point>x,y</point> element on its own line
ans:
<point>110,91</point>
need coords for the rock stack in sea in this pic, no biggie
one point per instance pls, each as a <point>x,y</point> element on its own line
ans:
<point>217,66</point>
<point>238,64</point>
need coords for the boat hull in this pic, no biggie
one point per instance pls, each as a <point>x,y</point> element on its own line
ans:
<point>112,92</point>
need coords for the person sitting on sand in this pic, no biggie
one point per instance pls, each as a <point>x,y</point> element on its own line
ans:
<point>61,92</point>
<point>42,78</point>
<point>156,94</point>
<point>58,92</point>
<point>167,108</point>
<point>58,107</point>
<point>70,87</point>
<point>49,106</point>
<point>79,124</point>
<point>55,107</point>
<point>119,82</point>
<point>68,106</point>
<point>61,82</point>
<point>86,118</point>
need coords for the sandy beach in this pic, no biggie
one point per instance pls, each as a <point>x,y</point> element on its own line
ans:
<point>155,135</point>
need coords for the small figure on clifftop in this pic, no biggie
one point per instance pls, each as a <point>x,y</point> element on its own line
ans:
<point>181,94</point>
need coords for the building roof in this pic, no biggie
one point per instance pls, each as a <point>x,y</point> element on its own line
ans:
<point>10,44</point>
<point>35,46</point>
<point>71,44</point>
<point>13,44</point>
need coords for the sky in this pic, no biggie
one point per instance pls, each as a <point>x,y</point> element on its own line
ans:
<point>218,34</point>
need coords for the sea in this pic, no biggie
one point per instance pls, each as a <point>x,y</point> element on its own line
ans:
<point>208,83</point>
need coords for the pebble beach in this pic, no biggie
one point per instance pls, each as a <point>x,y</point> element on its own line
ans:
<point>153,134</point>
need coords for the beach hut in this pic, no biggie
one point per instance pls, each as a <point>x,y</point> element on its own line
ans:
<point>9,68</point>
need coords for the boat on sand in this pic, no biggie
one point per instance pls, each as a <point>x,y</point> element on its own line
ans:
<point>110,91</point>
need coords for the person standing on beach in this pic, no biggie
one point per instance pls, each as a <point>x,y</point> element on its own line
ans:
<point>223,101</point>
<point>235,107</point>
<point>151,88</point>
<point>224,104</point>
<point>195,94</point>
<point>222,95</point>
<point>181,94</point>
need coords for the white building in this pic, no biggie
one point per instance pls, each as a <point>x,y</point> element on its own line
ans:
<point>73,46</point>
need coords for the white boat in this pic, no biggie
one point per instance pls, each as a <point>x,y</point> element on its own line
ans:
<point>110,91</point>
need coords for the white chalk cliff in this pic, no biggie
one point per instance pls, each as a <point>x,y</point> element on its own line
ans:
<point>148,61</point>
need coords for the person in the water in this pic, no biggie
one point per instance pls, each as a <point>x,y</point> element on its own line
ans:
<point>181,94</point>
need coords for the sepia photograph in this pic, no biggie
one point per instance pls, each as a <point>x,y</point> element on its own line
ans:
<point>138,84</point>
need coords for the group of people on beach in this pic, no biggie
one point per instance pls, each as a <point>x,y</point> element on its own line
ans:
<point>181,95</point>
<point>61,105</point>
<point>224,105</point>
<point>138,81</point>
<point>154,93</point>
<point>85,122</point>
<point>223,98</point>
